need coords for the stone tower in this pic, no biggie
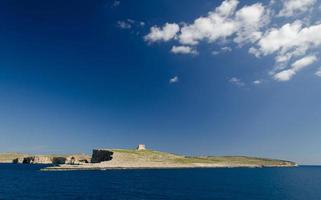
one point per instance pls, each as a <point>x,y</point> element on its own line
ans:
<point>141,147</point>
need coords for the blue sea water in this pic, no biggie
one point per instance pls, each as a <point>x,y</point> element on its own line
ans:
<point>28,182</point>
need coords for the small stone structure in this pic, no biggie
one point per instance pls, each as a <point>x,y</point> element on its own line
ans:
<point>141,147</point>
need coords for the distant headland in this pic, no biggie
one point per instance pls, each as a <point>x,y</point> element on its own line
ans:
<point>139,158</point>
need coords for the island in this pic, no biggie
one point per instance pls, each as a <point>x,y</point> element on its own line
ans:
<point>142,158</point>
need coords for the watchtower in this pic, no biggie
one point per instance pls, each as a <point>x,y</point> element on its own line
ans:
<point>141,147</point>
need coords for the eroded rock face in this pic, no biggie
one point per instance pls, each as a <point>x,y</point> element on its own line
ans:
<point>77,160</point>
<point>18,160</point>
<point>42,160</point>
<point>101,155</point>
<point>56,160</point>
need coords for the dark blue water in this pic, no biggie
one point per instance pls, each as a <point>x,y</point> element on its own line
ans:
<point>27,182</point>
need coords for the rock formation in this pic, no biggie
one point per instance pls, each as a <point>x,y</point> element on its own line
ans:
<point>33,160</point>
<point>101,155</point>
<point>57,160</point>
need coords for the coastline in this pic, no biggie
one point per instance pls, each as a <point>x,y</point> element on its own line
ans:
<point>59,168</point>
<point>125,159</point>
<point>108,159</point>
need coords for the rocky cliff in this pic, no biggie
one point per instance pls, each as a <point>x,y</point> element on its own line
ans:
<point>49,159</point>
<point>101,155</point>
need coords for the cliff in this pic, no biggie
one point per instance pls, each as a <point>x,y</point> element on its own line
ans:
<point>49,159</point>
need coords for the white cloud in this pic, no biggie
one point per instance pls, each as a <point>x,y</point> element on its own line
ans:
<point>249,26</point>
<point>130,23</point>
<point>173,80</point>
<point>257,82</point>
<point>222,50</point>
<point>218,24</point>
<point>183,50</point>
<point>124,24</point>
<point>291,7</point>
<point>237,81</point>
<point>284,75</point>
<point>298,65</point>
<point>291,38</point>
<point>288,42</point>
<point>250,19</point>
<point>303,62</point>
<point>166,33</point>
<point>318,73</point>
<point>226,49</point>
<point>224,22</point>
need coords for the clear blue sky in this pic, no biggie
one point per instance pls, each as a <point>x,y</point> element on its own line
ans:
<point>75,75</point>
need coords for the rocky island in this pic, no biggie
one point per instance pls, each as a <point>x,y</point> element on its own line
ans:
<point>142,158</point>
<point>139,158</point>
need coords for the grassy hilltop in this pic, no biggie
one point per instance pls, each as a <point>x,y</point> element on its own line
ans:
<point>158,156</point>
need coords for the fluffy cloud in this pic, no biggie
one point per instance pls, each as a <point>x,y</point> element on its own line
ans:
<point>290,39</point>
<point>303,62</point>
<point>173,80</point>
<point>250,19</point>
<point>290,7</point>
<point>183,50</point>
<point>298,65</point>
<point>284,75</point>
<point>249,26</point>
<point>166,33</point>
<point>224,22</point>
<point>212,27</point>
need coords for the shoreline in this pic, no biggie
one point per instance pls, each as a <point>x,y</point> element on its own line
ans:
<point>141,158</point>
<point>103,168</point>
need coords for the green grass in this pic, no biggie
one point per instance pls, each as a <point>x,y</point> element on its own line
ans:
<point>157,156</point>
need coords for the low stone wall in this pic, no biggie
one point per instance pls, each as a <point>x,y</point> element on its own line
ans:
<point>101,155</point>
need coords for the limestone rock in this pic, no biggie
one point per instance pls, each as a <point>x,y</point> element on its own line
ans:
<point>77,159</point>
<point>101,155</point>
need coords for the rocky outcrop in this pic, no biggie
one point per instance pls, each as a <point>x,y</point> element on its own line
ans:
<point>101,155</point>
<point>77,160</point>
<point>33,160</point>
<point>57,160</point>
<point>41,160</point>
<point>18,160</point>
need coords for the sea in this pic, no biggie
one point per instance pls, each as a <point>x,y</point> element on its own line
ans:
<point>28,182</point>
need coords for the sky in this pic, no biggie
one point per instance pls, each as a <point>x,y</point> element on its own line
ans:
<point>198,78</point>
